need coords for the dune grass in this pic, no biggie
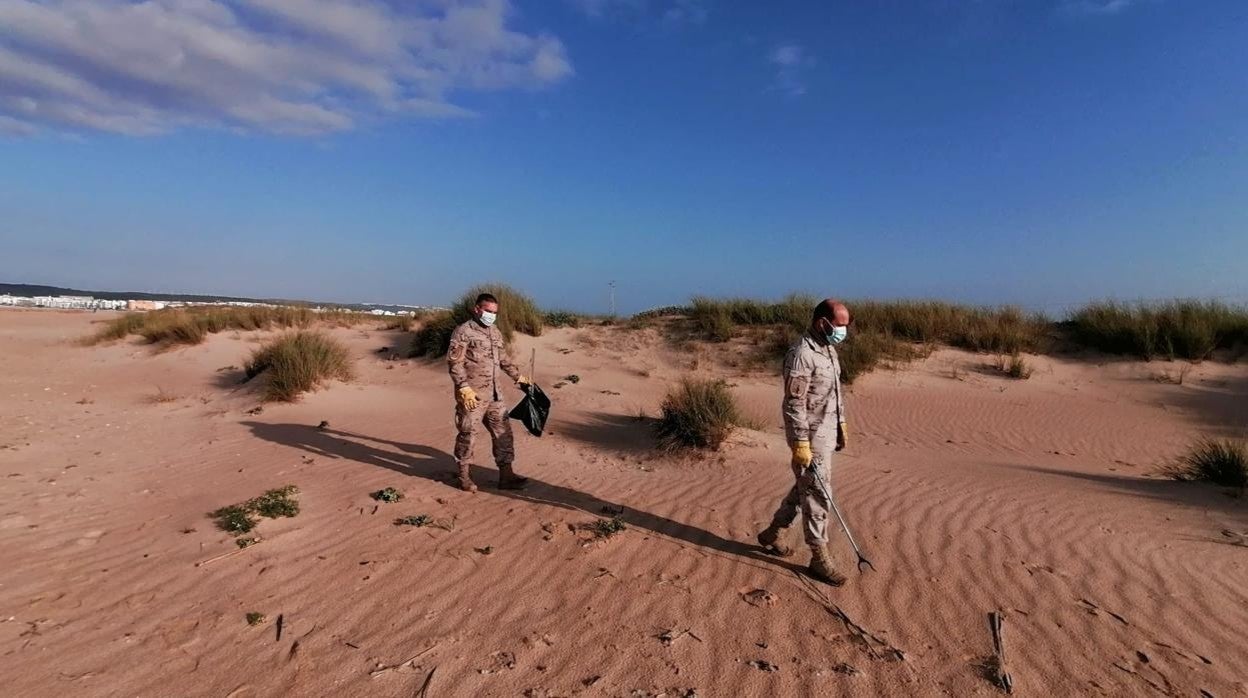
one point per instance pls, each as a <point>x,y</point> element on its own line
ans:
<point>297,363</point>
<point>697,414</point>
<point>517,313</point>
<point>1220,461</point>
<point>1175,330</point>
<point>189,326</point>
<point>882,331</point>
<point>563,318</point>
<point>402,323</point>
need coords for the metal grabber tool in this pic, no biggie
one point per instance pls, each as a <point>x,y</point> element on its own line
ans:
<point>862,559</point>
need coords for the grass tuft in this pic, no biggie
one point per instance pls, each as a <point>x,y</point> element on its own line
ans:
<point>1014,366</point>
<point>297,363</point>
<point>562,318</point>
<point>697,414</point>
<point>517,313</point>
<point>402,323</point>
<point>1222,462</point>
<point>417,521</point>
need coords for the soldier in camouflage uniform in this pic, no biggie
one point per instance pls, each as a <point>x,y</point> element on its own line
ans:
<point>475,356</point>
<point>814,423</point>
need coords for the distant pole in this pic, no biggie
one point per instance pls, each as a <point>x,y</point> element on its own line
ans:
<point>611,284</point>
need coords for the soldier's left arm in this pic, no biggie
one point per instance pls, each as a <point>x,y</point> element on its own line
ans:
<point>504,361</point>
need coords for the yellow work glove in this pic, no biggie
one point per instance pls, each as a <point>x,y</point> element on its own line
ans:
<point>801,453</point>
<point>467,397</point>
<point>842,435</point>
<point>524,380</point>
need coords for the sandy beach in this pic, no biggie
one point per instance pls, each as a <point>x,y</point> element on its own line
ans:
<point>970,492</point>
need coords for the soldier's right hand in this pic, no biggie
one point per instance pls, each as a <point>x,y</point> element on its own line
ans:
<point>467,397</point>
<point>801,453</point>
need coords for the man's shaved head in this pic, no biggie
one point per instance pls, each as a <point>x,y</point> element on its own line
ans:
<point>832,310</point>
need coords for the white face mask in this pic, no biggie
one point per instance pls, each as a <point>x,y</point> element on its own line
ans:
<point>838,335</point>
<point>488,318</point>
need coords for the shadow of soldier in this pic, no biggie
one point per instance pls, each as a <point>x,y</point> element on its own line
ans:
<point>439,466</point>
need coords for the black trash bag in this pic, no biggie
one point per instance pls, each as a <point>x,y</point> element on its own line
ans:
<point>533,410</point>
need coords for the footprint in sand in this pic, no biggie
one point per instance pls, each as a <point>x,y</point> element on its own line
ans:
<point>91,537</point>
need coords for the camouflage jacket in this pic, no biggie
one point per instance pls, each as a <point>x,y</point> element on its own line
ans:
<point>813,403</point>
<point>475,356</point>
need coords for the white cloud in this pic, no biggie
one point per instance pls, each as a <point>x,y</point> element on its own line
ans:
<point>281,66</point>
<point>14,127</point>
<point>1095,7</point>
<point>599,9</point>
<point>790,60</point>
<point>669,13</point>
<point>685,12</point>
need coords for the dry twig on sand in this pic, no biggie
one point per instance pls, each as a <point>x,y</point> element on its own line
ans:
<point>876,646</point>
<point>381,670</point>
<point>222,556</point>
<point>1002,677</point>
<point>424,688</point>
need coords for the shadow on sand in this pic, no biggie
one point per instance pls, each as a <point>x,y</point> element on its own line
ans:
<point>436,465</point>
<point>1200,495</point>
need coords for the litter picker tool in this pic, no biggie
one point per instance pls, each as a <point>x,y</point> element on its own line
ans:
<point>862,559</point>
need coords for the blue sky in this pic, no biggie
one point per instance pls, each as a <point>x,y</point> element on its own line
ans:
<point>1039,152</point>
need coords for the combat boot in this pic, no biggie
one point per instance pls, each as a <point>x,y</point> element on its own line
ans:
<point>465,478</point>
<point>821,566</point>
<point>509,480</point>
<point>770,539</point>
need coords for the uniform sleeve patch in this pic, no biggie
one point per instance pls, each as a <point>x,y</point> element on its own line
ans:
<point>798,386</point>
<point>458,351</point>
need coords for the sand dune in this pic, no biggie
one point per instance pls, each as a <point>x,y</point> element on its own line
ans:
<point>970,492</point>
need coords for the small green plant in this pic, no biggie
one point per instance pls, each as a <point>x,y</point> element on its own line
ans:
<point>605,528</point>
<point>1222,462</point>
<point>255,618</point>
<point>388,495</point>
<point>238,519</point>
<point>299,362</point>
<point>416,521</point>
<point>276,503</point>
<point>573,379</point>
<point>697,414</point>
<point>246,542</point>
<point>235,519</point>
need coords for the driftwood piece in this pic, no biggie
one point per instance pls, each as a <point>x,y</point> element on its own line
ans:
<point>424,688</point>
<point>232,553</point>
<point>996,622</point>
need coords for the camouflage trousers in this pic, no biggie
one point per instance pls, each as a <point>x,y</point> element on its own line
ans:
<point>810,494</point>
<point>494,416</point>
